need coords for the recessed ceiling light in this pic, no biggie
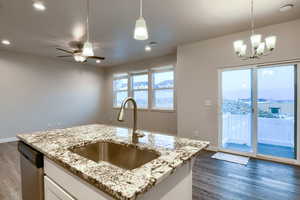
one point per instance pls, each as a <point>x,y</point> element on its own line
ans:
<point>5,42</point>
<point>148,48</point>
<point>153,44</point>
<point>39,5</point>
<point>98,61</point>
<point>286,7</point>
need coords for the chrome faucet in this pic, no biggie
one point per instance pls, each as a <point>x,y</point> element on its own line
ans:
<point>135,134</point>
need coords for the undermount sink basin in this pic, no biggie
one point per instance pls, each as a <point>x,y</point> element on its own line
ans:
<point>125,156</point>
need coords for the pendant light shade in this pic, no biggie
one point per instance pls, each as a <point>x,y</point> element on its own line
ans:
<point>88,49</point>
<point>88,46</point>
<point>140,31</point>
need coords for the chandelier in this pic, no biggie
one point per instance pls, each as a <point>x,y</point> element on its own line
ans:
<point>259,48</point>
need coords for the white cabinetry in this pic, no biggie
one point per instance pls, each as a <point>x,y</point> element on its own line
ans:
<point>55,192</point>
<point>60,184</point>
<point>73,185</point>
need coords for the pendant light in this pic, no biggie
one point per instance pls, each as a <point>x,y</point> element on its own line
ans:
<point>140,31</point>
<point>259,48</point>
<point>88,46</point>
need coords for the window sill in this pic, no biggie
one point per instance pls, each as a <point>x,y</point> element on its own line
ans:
<point>162,110</point>
<point>150,110</point>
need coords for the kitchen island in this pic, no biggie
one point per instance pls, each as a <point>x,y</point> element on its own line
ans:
<point>68,172</point>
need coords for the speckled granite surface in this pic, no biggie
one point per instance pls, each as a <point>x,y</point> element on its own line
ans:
<point>119,183</point>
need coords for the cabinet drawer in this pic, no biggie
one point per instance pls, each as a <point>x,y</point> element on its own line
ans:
<point>54,191</point>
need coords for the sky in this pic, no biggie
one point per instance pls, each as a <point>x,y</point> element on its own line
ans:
<point>276,83</point>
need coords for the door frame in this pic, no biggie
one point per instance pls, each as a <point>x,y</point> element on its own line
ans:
<point>255,154</point>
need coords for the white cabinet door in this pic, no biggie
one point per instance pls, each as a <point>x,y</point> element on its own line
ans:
<point>55,192</point>
<point>79,189</point>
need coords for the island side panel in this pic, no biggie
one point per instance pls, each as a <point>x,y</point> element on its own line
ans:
<point>177,186</point>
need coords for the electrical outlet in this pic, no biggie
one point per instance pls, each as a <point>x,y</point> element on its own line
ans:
<point>207,102</point>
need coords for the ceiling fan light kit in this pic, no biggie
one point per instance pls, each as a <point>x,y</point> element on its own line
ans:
<point>78,57</point>
<point>5,42</point>
<point>39,5</point>
<point>148,48</point>
<point>259,48</point>
<point>140,31</point>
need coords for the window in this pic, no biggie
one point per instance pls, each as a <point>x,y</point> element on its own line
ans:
<point>140,89</point>
<point>163,88</point>
<point>155,93</point>
<point>120,88</point>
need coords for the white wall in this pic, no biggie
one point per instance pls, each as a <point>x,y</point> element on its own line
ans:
<point>165,122</point>
<point>197,75</point>
<point>39,93</point>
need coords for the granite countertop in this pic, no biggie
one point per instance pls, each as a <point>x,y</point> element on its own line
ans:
<point>119,183</point>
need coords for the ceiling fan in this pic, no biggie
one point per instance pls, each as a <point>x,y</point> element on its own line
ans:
<point>83,51</point>
<point>76,53</point>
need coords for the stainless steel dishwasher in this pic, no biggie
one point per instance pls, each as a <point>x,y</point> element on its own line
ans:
<point>32,172</point>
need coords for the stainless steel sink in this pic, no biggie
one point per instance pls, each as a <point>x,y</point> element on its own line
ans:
<point>125,156</point>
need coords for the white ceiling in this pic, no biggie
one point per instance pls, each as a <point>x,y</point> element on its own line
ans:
<point>170,23</point>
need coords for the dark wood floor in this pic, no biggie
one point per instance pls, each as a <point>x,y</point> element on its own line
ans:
<point>212,179</point>
<point>259,180</point>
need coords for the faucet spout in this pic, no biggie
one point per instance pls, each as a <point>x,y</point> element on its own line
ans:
<point>135,134</point>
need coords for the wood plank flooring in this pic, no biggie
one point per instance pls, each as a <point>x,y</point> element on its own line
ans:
<point>10,180</point>
<point>212,179</point>
<point>259,180</point>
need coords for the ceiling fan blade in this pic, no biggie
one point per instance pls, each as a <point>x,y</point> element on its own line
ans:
<point>64,50</point>
<point>65,56</point>
<point>97,57</point>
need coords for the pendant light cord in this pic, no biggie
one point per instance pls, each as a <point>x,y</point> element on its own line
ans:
<point>252,17</point>
<point>141,8</point>
<point>87,19</point>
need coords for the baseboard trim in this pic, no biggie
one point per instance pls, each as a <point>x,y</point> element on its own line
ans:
<point>6,140</point>
<point>258,156</point>
<point>264,157</point>
<point>212,148</point>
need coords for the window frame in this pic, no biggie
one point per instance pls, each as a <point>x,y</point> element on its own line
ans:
<point>124,76</point>
<point>132,90</point>
<point>161,70</point>
<point>150,72</point>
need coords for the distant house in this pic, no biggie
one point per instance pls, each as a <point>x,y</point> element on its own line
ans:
<point>274,110</point>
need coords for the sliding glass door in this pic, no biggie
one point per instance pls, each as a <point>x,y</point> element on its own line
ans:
<point>258,112</point>
<point>237,110</point>
<point>276,103</point>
